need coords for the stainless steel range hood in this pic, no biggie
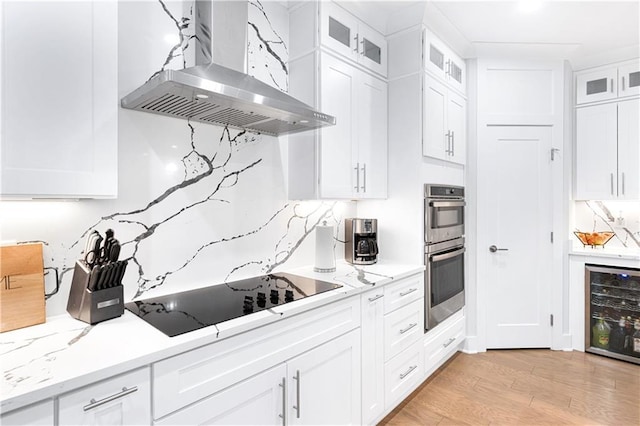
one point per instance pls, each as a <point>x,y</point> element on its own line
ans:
<point>215,93</point>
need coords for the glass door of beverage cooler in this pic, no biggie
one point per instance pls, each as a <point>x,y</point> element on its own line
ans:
<point>613,312</point>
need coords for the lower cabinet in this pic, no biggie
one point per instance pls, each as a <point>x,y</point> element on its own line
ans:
<point>37,414</point>
<point>258,400</point>
<point>443,341</point>
<point>122,400</point>
<point>321,386</point>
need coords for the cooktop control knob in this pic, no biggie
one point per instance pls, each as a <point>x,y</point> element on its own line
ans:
<point>274,295</point>
<point>247,307</point>
<point>288,295</point>
<point>262,299</point>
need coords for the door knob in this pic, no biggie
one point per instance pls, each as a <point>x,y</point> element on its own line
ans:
<point>494,249</point>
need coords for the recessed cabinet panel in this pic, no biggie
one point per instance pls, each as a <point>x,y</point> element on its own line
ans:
<point>59,103</point>
<point>596,86</point>
<point>339,32</point>
<point>629,150</point>
<point>596,152</point>
<point>338,170</point>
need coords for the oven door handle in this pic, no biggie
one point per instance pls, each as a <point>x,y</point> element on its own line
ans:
<point>439,257</point>
<point>447,203</point>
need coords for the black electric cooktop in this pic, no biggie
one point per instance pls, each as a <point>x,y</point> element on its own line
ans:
<point>180,313</point>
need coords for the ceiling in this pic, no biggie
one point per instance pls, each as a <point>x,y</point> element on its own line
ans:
<point>581,31</point>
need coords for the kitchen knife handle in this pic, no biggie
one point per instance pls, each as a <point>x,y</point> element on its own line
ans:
<point>94,275</point>
<point>297,406</point>
<point>93,403</point>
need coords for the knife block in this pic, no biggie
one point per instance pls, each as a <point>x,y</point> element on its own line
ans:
<point>95,306</point>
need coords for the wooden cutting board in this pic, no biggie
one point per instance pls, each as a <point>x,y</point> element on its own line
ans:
<point>22,286</point>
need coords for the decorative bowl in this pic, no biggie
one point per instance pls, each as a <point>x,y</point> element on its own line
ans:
<point>594,239</point>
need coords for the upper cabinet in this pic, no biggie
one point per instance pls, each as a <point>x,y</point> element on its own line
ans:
<point>326,24</point>
<point>340,76</point>
<point>441,78</point>
<point>59,99</point>
<point>607,151</point>
<point>443,63</point>
<point>608,83</point>
<point>352,38</point>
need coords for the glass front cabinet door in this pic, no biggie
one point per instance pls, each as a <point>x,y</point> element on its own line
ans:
<point>596,86</point>
<point>629,80</point>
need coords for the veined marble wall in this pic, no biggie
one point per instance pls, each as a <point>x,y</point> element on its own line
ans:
<point>590,216</point>
<point>198,204</point>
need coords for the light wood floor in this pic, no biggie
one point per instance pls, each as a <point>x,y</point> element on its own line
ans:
<point>525,387</point>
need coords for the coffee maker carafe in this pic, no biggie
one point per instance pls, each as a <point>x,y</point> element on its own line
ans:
<point>361,246</point>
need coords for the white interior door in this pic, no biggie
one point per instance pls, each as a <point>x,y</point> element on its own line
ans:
<point>515,214</point>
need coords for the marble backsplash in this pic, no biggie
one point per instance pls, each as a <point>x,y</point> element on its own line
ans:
<point>198,204</point>
<point>621,217</point>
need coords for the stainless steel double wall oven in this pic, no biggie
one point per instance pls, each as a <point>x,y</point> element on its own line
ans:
<point>443,252</point>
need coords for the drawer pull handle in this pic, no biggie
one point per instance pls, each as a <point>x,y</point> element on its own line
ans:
<point>408,328</point>
<point>93,403</point>
<point>411,290</point>
<point>406,373</point>
<point>453,339</point>
<point>376,297</point>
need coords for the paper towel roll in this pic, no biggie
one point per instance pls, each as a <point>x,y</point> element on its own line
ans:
<point>325,259</point>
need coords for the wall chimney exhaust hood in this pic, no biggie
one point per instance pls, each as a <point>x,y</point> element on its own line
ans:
<point>217,90</point>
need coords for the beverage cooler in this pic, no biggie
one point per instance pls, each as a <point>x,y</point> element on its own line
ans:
<point>613,312</point>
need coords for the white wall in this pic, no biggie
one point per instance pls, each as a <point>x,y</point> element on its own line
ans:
<point>180,224</point>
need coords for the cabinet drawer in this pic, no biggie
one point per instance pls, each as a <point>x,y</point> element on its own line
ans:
<point>40,413</point>
<point>123,400</point>
<point>403,292</point>
<point>402,374</point>
<point>402,328</point>
<point>191,376</point>
<point>445,342</point>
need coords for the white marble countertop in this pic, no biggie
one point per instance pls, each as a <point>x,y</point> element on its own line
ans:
<point>611,252</point>
<point>62,354</point>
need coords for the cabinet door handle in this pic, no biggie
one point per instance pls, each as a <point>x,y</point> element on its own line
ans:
<point>453,144</point>
<point>408,328</point>
<point>376,297</point>
<point>362,44</point>
<point>297,406</point>
<point>411,290</point>
<point>622,183</point>
<point>611,85</point>
<point>612,184</point>
<point>447,67</point>
<point>356,39</point>
<point>453,339</point>
<point>93,403</point>
<point>406,373</point>
<point>283,416</point>
<point>364,177</point>
<point>357,169</point>
<point>623,82</point>
<point>448,139</point>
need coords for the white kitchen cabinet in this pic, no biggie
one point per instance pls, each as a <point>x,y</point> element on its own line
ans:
<point>402,375</point>
<point>59,99</point>
<point>443,341</point>
<point>352,38</point>
<point>350,158</point>
<point>598,85</point>
<point>320,386</point>
<point>324,383</point>
<point>608,82</point>
<point>122,400</point>
<point>444,129</point>
<point>259,400</point>
<point>372,355</point>
<point>443,63</point>
<point>40,413</point>
<point>607,151</point>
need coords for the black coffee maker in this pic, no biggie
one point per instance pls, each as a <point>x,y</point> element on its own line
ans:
<point>361,245</point>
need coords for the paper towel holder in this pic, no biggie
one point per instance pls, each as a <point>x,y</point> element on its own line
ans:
<point>325,256</point>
